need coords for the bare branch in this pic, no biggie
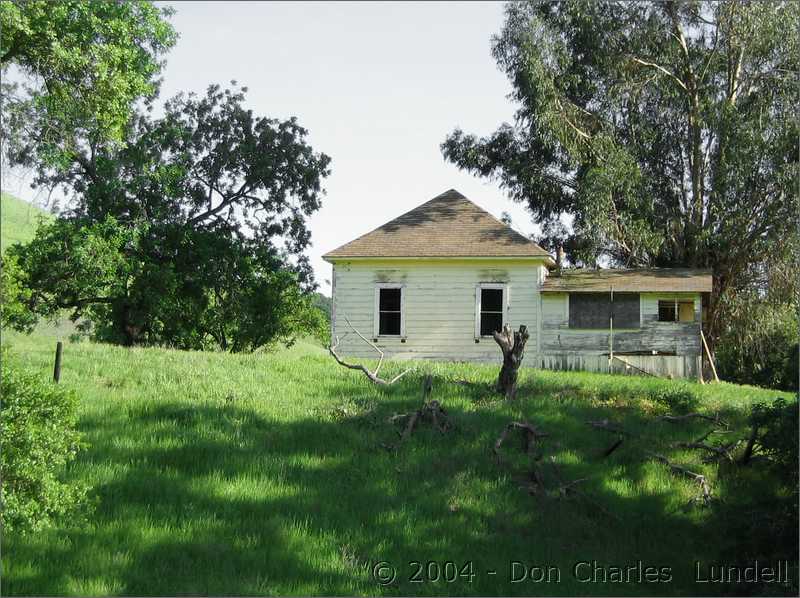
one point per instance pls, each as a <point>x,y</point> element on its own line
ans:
<point>661,69</point>
<point>530,434</point>
<point>680,470</point>
<point>679,418</point>
<point>370,343</point>
<point>373,376</point>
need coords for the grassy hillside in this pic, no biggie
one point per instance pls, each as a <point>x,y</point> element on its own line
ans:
<point>273,474</point>
<point>18,220</point>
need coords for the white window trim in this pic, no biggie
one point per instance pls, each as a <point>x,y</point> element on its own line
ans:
<point>376,318</point>
<point>506,299</point>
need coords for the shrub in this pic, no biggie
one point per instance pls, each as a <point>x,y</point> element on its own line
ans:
<point>679,398</point>
<point>39,439</point>
<point>761,347</point>
<point>768,517</point>
<point>777,439</point>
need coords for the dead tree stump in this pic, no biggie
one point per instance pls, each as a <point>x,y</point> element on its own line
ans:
<point>512,344</point>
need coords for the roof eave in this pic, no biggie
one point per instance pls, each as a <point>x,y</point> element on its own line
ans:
<point>620,290</point>
<point>332,259</point>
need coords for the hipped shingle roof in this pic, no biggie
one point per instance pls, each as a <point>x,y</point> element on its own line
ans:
<point>449,225</point>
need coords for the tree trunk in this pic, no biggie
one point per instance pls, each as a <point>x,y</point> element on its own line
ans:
<point>512,344</point>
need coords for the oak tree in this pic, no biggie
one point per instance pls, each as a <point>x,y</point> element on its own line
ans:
<point>81,65</point>
<point>191,233</point>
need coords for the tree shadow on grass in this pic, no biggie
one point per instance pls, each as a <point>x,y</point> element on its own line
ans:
<point>217,498</point>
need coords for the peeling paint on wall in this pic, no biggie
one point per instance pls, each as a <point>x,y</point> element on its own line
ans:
<point>390,275</point>
<point>494,275</point>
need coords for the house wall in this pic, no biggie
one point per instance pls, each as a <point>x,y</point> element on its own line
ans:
<point>666,366</point>
<point>682,338</point>
<point>439,304</point>
<point>562,348</point>
<point>440,311</point>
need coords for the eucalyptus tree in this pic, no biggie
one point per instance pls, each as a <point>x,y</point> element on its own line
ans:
<point>667,130</point>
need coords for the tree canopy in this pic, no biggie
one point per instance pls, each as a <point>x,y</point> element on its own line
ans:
<point>84,65</point>
<point>191,233</point>
<point>666,130</point>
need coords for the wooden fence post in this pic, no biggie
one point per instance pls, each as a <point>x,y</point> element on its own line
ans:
<point>57,366</point>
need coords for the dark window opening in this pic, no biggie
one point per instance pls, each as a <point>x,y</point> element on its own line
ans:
<point>595,310</point>
<point>675,311</point>
<point>389,306</point>
<point>666,311</point>
<point>491,311</point>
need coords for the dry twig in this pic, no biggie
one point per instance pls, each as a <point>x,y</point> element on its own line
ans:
<point>431,409</point>
<point>674,419</point>
<point>373,376</point>
<point>680,470</point>
<point>529,437</point>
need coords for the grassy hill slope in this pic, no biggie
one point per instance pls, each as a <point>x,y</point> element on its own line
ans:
<point>276,474</point>
<point>18,220</point>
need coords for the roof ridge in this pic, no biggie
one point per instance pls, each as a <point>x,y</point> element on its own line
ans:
<point>449,224</point>
<point>393,219</point>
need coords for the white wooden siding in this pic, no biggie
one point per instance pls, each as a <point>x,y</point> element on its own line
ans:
<point>439,301</point>
<point>439,305</point>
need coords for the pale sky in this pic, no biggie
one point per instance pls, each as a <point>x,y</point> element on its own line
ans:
<point>377,85</point>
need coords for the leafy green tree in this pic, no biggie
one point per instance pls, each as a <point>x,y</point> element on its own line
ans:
<point>667,130</point>
<point>191,233</point>
<point>759,338</point>
<point>84,65</point>
<point>14,297</point>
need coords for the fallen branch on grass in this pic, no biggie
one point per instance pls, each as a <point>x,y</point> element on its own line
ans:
<point>373,376</point>
<point>430,409</point>
<point>751,443</point>
<point>565,489</point>
<point>612,448</point>
<point>674,419</point>
<point>604,424</point>
<point>680,470</point>
<point>529,435</point>
<point>721,451</point>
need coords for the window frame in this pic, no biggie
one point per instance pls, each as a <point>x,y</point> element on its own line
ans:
<point>676,303</point>
<point>478,292</point>
<point>376,316</point>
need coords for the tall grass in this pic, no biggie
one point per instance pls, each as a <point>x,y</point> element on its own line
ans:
<point>269,474</point>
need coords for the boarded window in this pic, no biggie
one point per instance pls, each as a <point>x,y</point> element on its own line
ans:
<point>686,311</point>
<point>389,311</point>
<point>594,310</point>
<point>673,310</point>
<point>491,311</point>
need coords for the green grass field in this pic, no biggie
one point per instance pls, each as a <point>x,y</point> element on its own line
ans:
<point>19,220</point>
<point>267,474</point>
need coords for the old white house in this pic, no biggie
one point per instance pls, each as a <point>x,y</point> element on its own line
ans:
<point>436,281</point>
